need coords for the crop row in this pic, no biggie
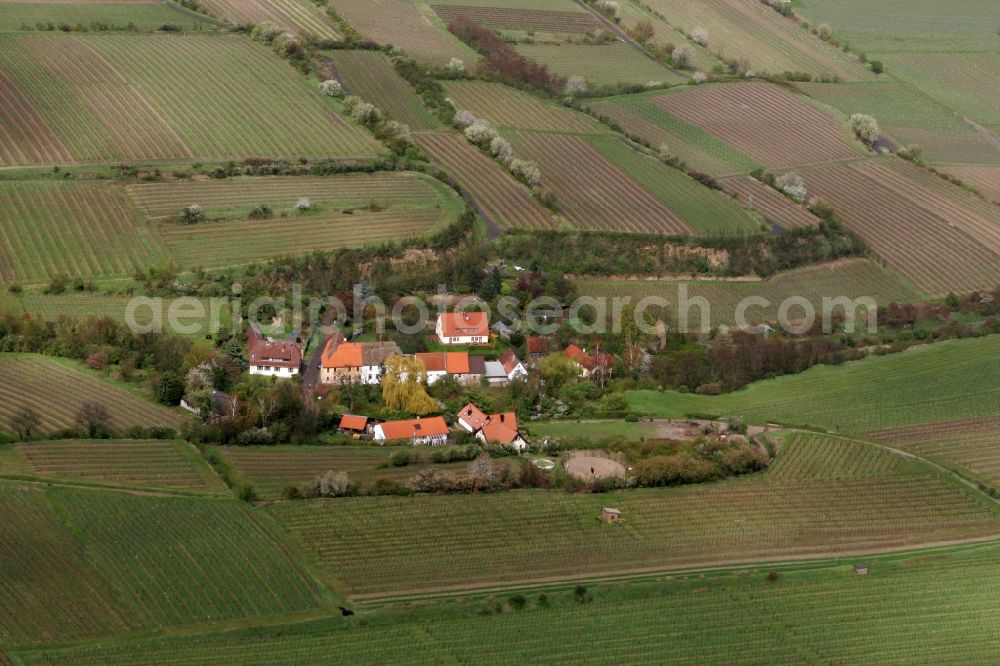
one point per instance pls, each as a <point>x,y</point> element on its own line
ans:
<point>813,456</point>
<point>301,16</point>
<point>540,20</point>
<point>371,76</point>
<point>506,107</point>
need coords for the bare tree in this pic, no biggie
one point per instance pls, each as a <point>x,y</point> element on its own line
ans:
<point>266,405</point>
<point>93,418</point>
<point>25,422</point>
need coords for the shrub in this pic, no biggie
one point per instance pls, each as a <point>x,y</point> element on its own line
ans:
<point>665,152</point>
<point>609,8</point>
<point>364,113</point>
<point>481,133</point>
<point>332,88</point>
<point>502,150</point>
<point>527,171</point>
<point>824,32</point>
<point>792,185</point>
<point>193,214</point>
<point>463,118</point>
<point>700,36</point>
<point>865,127</point>
<point>699,77</point>
<point>682,57</point>
<point>265,31</point>
<point>876,66</point>
<point>912,152</point>
<point>455,66</point>
<point>303,204</point>
<point>576,85</point>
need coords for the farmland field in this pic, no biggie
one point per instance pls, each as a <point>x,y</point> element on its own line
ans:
<point>17,16</point>
<point>300,16</point>
<point>57,390</point>
<point>972,446</point>
<point>379,545</point>
<point>768,202</point>
<point>769,124</point>
<point>748,30</point>
<point>506,18</point>
<point>708,212</point>
<point>937,235</point>
<point>149,464</point>
<point>603,65</point>
<point>811,456</point>
<point>504,200</point>
<point>164,103</point>
<point>941,382</point>
<point>910,117</point>
<point>50,228</point>
<point>507,107</point>
<point>986,178</point>
<point>404,25</point>
<point>590,187</point>
<point>271,469</point>
<point>701,151</point>
<point>371,76</point>
<point>853,278</point>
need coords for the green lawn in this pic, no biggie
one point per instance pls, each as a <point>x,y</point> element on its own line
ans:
<point>942,381</point>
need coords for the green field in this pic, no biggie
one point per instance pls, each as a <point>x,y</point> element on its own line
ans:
<point>971,446</point>
<point>397,545</point>
<point>371,76</point>
<point>18,16</point>
<point>910,117</point>
<point>57,389</point>
<point>852,278</point>
<point>506,107</point>
<point>640,116</point>
<point>605,65</point>
<point>147,464</point>
<point>939,382</point>
<point>166,104</point>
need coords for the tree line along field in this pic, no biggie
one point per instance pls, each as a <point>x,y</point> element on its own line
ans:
<point>57,390</point>
<point>751,31</point>
<point>971,446</point>
<point>387,546</point>
<point>82,564</point>
<point>985,178</point>
<point>301,16</point>
<point>25,16</point>
<point>851,278</point>
<point>774,206</point>
<point>934,609</point>
<point>601,65</point>
<point>271,469</point>
<point>148,464</point>
<point>93,229</point>
<point>109,98</point>
<point>371,76</point>
<point>946,381</point>
<point>507,107</point>
<point>936,234</point>
<point>769,124</point>
<point>910,117</point>
<point>503,200</point>
<point>641,116</point>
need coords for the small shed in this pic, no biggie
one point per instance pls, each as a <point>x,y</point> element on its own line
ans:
<point>861,569</point>
<point>609,515</point>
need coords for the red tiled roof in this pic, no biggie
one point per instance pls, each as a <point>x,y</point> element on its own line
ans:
<point>454,363</point>
<point>409,429</point>
<point>537,345</point>
<point>352,422</point>
<point>272,354</point>
<point>587,361</point>
<point>498,428</point>
<point>509,361</point>
<point>343,355</point>
<point>463,324</point>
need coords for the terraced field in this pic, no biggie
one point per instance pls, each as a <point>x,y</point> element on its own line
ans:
<point>591,189</point>
<point>910,117</point>
<point>50,228</point>
<point>775,207</point>
<point>300,16</point>
<point>122,97</point>
<point>155,463</point>
<point>937,235</point>
<point>946,381</point>
<point>972,445</point>
<point>371,76</point>
<point>537,20</point>
<point>603,65</point>
<point>641,116</point>
<point>852,278</point>
<point>405,26</point>
<point>391,544</point>
<point>738,619</point>
<point>148,15</point>
<point>749,30</point>
<point>507,107</point>
<point>505,201</point>
<point>57,390</point>
<point>271,469</point>
<point>772,126</point>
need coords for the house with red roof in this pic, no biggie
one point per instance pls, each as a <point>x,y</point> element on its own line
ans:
<point>599,363</point>
<point>430,431</point>
<point>463,328</point>
<point>512,365</point>
<point>352,424</point>
<point>499,429</point>
<point>467,370</point>
<point>272,358</point>
<point>354,362</point>
<point>537,348</point>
